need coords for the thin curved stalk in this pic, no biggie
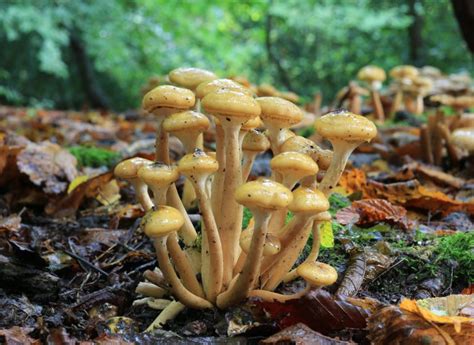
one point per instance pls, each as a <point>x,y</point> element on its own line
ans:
<point>270,296</point>
<point>141,191</point>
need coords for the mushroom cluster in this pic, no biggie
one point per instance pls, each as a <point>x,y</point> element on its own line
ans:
<point>236,263</point>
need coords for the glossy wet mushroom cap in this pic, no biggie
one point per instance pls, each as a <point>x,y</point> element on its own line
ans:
<point>190,77</point>
<point>308,200</point>
<point>295,164</point>
<point>186,120</point>
<point>267,90</point>
<point>197,163</point>
<point>271,247</point>
<point>231,104</point>
<point>263,194</point>
<point>279,112</point>
<point>158,174</point>
<point>253,123</point>
<point>255,141</point>
<point>128,169</point>
<point>206,88</point>
<point>464,138</point>
<point>404,72</point>
<point>371,74</point>
<point>168,96</point>
<point>317,274</point>
<point>162,222</point>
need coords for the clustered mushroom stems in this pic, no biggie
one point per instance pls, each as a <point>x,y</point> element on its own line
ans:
<point>234,265</point>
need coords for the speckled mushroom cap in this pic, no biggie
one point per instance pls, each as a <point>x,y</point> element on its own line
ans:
<point>323,216</point>
<point>190,77</point>
<point>267,90</point>
<point>317,274</point>
<point>220,84</point>
<point>290,96</point>
<point>241,80</point>
<point>255,141</point>
<point>303,145</point>
<point>162,221</point>
<point>371,73</point>
<point>346,126</point>
<point>271,247</point>
<point>168,96</point>
<point>295,164</point>
<point>128,169</point>
<point>404,72</point>
<point>308,200</point>
<point>231,104</point>
<point>464,138</point>
<point>158,174</point>
<point>198,162</point>
<point>279,112</point>
<point>264,194</point>
<point>185,121</point>
<point>253,123</point>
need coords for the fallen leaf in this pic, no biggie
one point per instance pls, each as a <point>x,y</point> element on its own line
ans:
<point>109,193</point>
<point>326,234</point>
<point>18,335</point>
<point>10,223</point>
<point>300,334</point>
<point>354,275</point>
<point>48,166</point>
<point>76,182</point>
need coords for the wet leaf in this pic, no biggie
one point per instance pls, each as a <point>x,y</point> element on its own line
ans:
<point>354,275</point>
<point>327,235</point>
<point>300,334</point>
<point>10,223</point>
<point>109,193</point>
<point>48,165</point>
<point>18,335</point>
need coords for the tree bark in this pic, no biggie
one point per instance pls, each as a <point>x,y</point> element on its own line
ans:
<point>464,13</point>
<point>415,33</point>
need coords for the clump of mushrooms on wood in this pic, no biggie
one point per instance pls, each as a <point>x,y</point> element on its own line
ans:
<point>235,263</point>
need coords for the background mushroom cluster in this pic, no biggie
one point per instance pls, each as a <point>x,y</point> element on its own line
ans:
<point>234,263</point>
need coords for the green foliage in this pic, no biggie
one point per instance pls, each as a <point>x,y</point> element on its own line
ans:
<point>319,44</point>
<point>306,132</point>
<point>94,157</point>
<point>460,248</point>
<point>337,201</point>
<point>248,215</point>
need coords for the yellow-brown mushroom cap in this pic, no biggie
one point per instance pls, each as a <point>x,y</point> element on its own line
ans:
<point>404,71</point>
<point>308,200</point>
<point>241,80</point>
<point>208,87</point>
<point>430,72</point>
<point>162,221</point>
<point>423,84</point>
<point>253,123</point>
<point>304,145</point>
<point>168,96</point>
<point>128,169</point>
<point>271,247</point>
<point>323,216</point>
<point>198,163</point>
<point>186,121</point>
<point>190,77</point>
<point>158,174</point>
<point>344,125</point>
<point>263,193</point>
<point>464,138</point>
<point>317,274</point>
<point>255,141</point>
<point>290,96</point>
<point>279,111</point>
<point>294,164</point>
<point>371,73</point>
<point>267,90</point>
<point>231,104</point>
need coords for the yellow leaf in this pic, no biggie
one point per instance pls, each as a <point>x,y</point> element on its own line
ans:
<point>327,236</point>
<point>109,193</point>
<point>76,182</point>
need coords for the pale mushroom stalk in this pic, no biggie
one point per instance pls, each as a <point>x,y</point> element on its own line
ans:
<point>150,290</point>
<point>141,192</point>
<point>218,180</point>
<point>247,163</point>
<point>187,232</point>
<point>270,296</point>
<point>169,313</point>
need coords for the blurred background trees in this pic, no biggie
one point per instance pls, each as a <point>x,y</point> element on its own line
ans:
<point>72,54</point>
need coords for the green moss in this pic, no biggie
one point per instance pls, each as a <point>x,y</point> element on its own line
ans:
<point>248,215</point>
<point>94,157</point>
<point>460,248</point>
<point>337,202</point>
<point>306,131</point>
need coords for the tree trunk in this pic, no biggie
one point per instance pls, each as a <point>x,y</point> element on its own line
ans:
<point>464,13</point>
<point>414,32</point>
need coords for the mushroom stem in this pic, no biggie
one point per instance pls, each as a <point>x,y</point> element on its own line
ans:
<point>161,143</point>
<point>183,266</point>
<point>378,108</point>
<point>397,101</point>
<point>231,211</point>
<point>141,191</point>
<point>182,294</point>
<point>276,138</point>
<point>270,296</point>
<point>169,313</point>
<point>446,135</point>
<point>342,151</point>
<point>246,280</point>
<point>218,181</point>
<point>187,232</point>
<point>150,290</point>
<point>248,160</point>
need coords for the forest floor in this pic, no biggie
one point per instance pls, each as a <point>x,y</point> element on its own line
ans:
<point>72,251</point>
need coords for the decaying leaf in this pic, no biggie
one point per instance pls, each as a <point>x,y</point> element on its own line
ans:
<point>10,223</point>
<point>300,334</point>
<point>409,193</point>
<point>373,211</point>
<point>18,335</point>
<point>322,311</point>
<point>354,275</point>
<point>109,193</point>
<point>48,166</point>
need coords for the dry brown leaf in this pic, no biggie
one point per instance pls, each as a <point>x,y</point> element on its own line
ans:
<point>18,335</point>
<point>373,211</point>
<point>10,223</point>
<point>48,165</point>
<point>300,334</point>
<point>409,194</point>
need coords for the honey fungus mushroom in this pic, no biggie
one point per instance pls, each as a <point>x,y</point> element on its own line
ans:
<point>374,76</point>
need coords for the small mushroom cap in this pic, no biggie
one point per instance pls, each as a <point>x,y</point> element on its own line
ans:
<point>423,83</point>
<point>323,216</point>
<point>255,141</point>
<point>253,123</point>
<point>220,84</point>
<point>404,72</point>
<point>290,96</point>
<point>197,163</point>
<point>168,96</point>
<point>162,221</point>
<point>308,200</point>
<point>462,102</point>
<point>279,111</point>
<point>317,273</point>
<point>128,169</point>
<point>344,125</point>
<point>241,80</point>
<point>158,174</point>
<point>267,90</point>
<point>231,104</point>
<point>464,138</point>
<point>303,145</point>
<point>190,77</point>
<point>271,247</point>
<point>186,121</point>
<point>294,164</point>
<point>371,73</point>
<point>263,193</point>
<point>430,72</point>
